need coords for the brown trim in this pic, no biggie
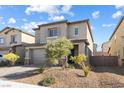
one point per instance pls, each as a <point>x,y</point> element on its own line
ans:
<point>52,23</point>
<point>117,27</point>
<point>36,28</point>
<point>58,22</point>
<point>9,29</point>
<point>35,44</point>
<point>80,40</point>
<point>80,21</point>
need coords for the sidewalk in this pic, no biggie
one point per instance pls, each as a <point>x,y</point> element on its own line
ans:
<point>10,84</point>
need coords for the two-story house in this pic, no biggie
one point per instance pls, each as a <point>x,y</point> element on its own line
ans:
<point>13,39</point>
<point>78,32</point>
<point>116,42</point>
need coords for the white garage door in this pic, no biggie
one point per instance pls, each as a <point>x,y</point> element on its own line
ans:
<point>39,56</point>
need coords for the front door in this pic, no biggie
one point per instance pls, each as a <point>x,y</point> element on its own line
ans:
<point>74,52</point>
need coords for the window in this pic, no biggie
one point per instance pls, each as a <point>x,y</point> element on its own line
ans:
<point>13,39</point>
<point>1,40</point>
<point>52,32</point>
<point>76,31</point>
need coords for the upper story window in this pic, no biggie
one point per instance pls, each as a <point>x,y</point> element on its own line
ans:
<point>52,32</point>
<point>1,40</point>
<point>76,31</point>
<point>13,38</point>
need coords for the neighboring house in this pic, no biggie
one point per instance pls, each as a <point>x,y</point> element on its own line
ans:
<point>106,47</point>
<point>13,39</point>
<point>117,42</point>
<point>78,32</point>
<point>94,48</point>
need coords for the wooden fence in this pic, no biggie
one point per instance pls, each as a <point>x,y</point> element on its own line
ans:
<point>104,60</point>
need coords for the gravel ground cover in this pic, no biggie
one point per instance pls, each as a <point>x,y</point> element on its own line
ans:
<point>101,77</point>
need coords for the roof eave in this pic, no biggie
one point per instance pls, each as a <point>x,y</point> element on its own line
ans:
<point>116,27</point>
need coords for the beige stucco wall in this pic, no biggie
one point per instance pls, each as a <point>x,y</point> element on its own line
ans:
<point>106,46</point>
<point>66,30</point>
<point>43,36</point>
<point>7,38</point>
<point>82,31</point>
<point>117,43</point>
<point>2,35</point>
<point>37,36</point>
<point>27,38</point>
<point>20,37</point>
<point>20,50</point>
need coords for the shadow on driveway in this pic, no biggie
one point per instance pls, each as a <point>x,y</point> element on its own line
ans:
<point>20,75</point>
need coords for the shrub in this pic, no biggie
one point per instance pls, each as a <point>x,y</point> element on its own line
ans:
<point>71,66</point>
<point>53,61</point>
<point>40,70</point>
<point>80,60</point>
<point>11,57</point>
<point>59,49</point>
<point>47,81</point>
<point>3,63</point>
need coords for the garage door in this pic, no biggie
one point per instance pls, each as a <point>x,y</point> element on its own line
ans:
<point>39,56</point>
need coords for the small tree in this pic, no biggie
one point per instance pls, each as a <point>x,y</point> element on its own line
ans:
<point>58,49</point>
<point>11,57</point>
<point>80,60</point>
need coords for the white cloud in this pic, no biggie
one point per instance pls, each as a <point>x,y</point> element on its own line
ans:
<point>57,18</point>
<point>108,25</point>
<point>53,11</point>
<point>28,26</point>
<point>96,14</point>
<point>67,10</point>
<point>117,14</point>
<point>119,6</point>
<point>11,20</point>
<point>42,9</point>
<point>92,27</point>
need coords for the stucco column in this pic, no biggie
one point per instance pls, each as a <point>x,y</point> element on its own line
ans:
<point>81,49</point>
<point>27,56</point>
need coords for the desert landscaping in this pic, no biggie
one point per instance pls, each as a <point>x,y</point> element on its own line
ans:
<point>99,77</point>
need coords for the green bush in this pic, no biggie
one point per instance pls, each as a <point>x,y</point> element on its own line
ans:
<point>58,49</point>
<point>47,81</point>
<point>40,70</point>
<point>53,61</point>
<point>71,66</point>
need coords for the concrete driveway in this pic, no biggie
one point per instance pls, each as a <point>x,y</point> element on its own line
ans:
<point>16,72</point>
<point>8,84</point>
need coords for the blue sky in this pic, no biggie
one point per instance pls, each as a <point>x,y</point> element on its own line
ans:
<point>103,19</point>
